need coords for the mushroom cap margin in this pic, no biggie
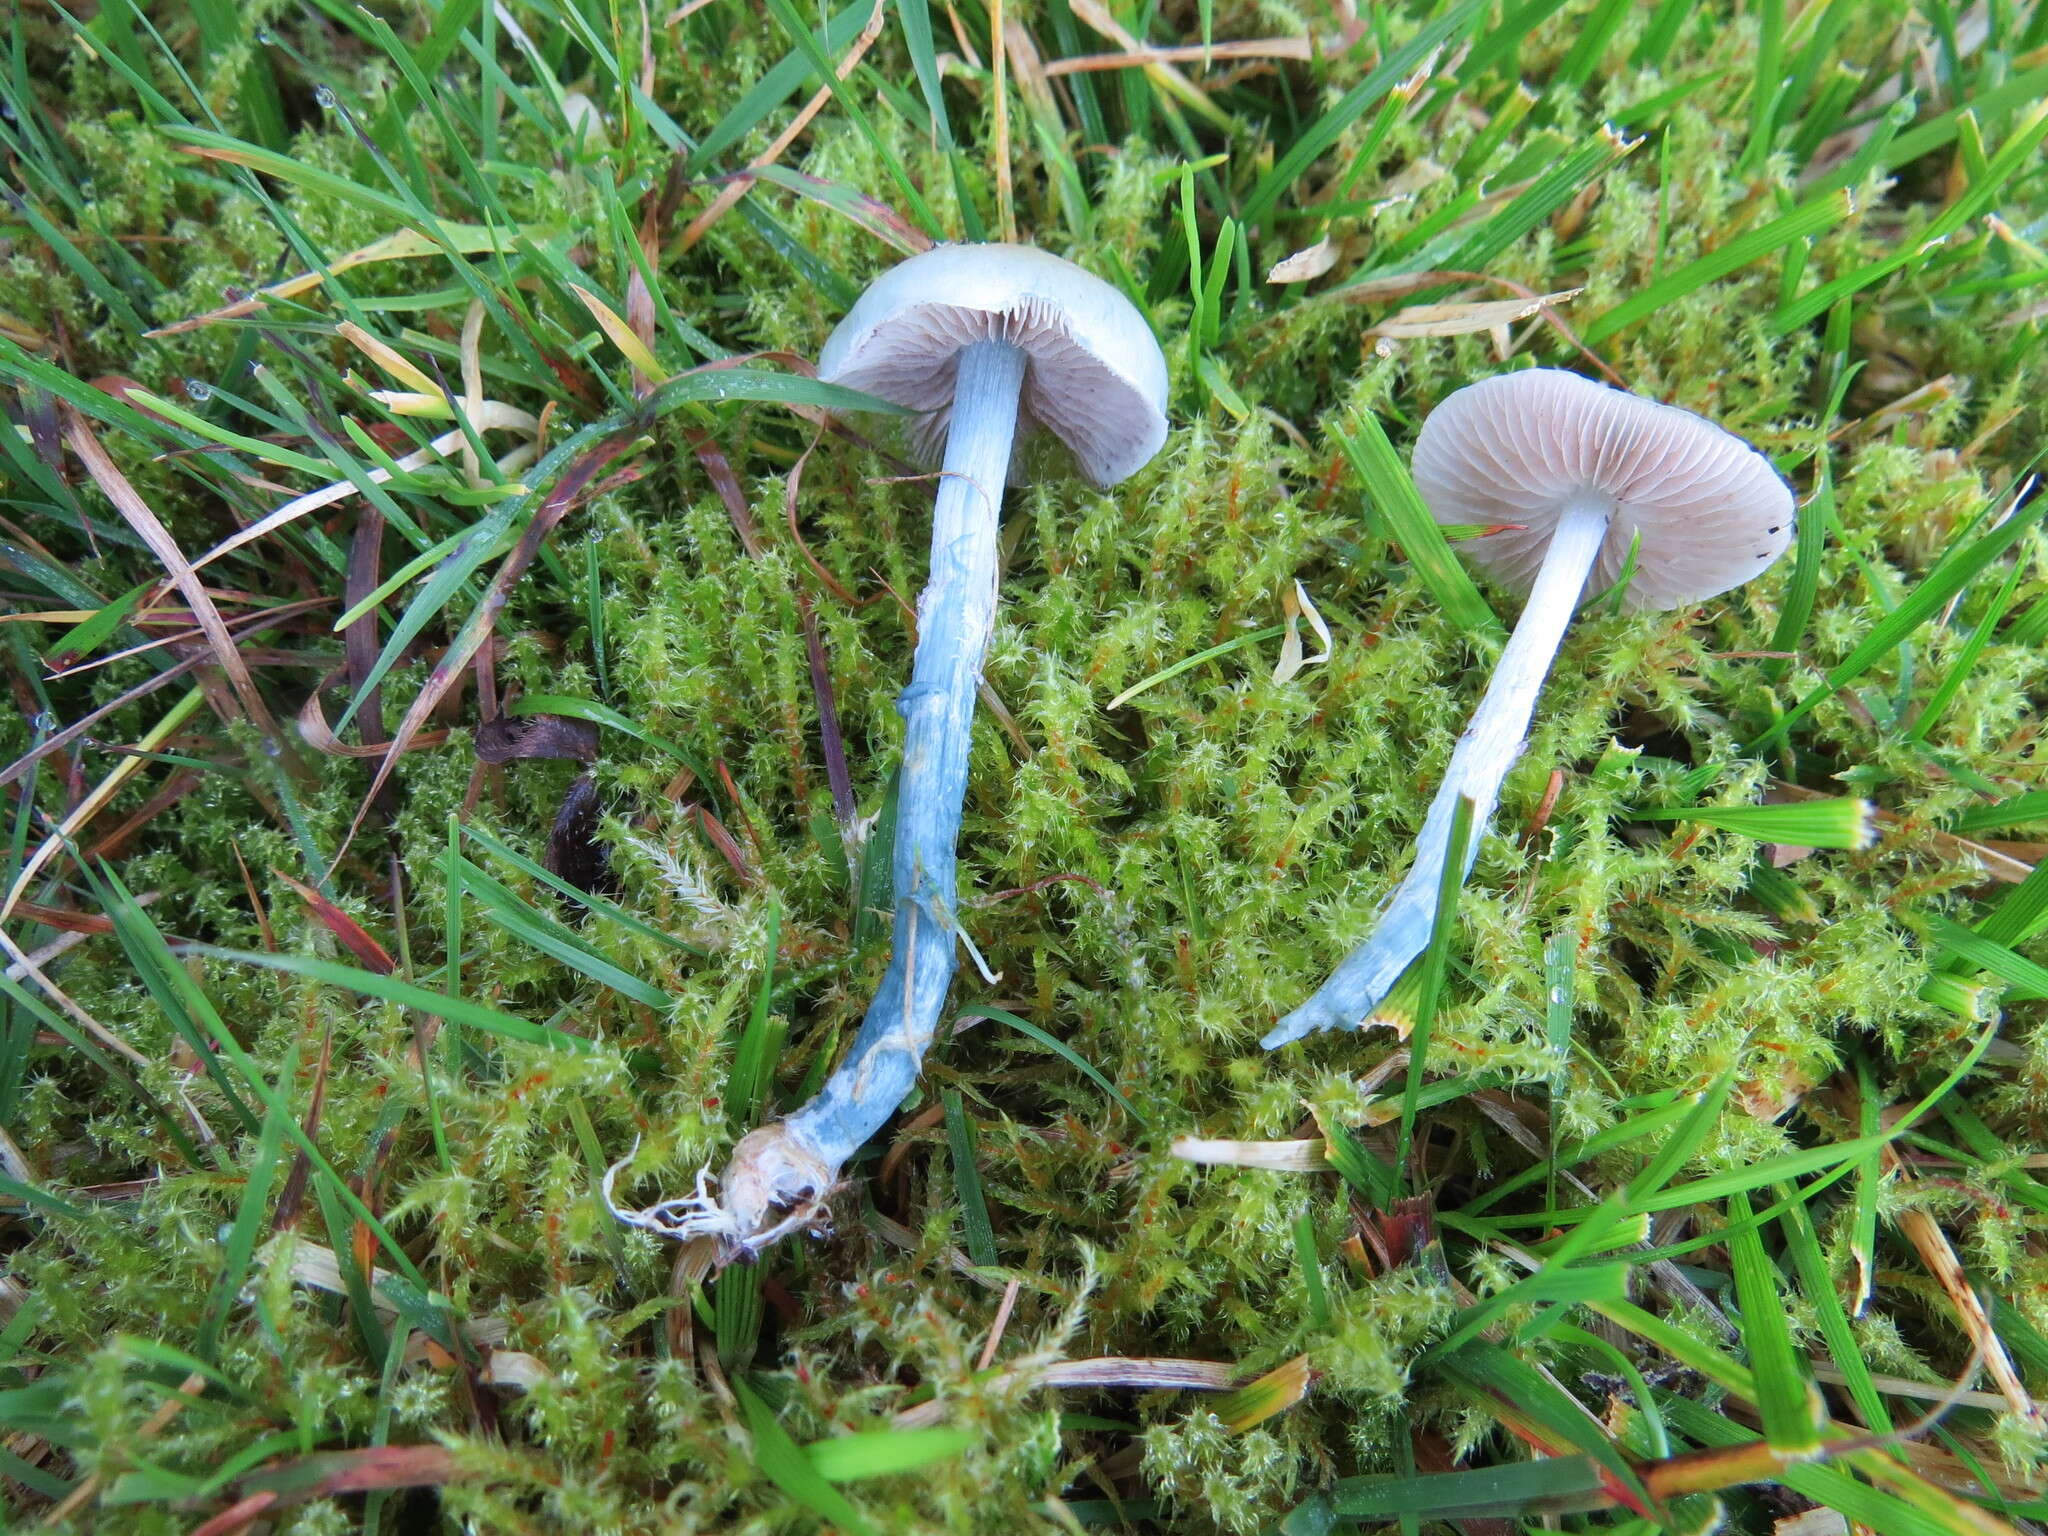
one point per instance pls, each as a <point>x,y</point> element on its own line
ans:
<point>1712,510</point>
<point>1096,378</point>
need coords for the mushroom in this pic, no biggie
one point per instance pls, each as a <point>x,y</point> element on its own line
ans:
<point>1574,475</point>
<point>982,342</point>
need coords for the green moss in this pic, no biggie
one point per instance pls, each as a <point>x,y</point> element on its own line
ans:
<point>1151,884</point>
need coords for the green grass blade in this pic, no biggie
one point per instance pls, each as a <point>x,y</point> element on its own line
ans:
<point>391,989</point>
<point>784,1463</point>
<point>1787,1401</point>
<point>1407,521</point>
<point>1805,222</point>
<point>1330,127</point>
<point>1059,1048</point>
<point>978,1232</point>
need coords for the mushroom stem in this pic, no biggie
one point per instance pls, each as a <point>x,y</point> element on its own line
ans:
<point>955,617</point>
<point>1489,747</point>
<point>779,1176</point>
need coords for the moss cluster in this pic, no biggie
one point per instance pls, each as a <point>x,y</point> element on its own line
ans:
<point>1150,884</point>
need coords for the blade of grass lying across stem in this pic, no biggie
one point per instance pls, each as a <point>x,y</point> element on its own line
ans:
<point>1406,519</point>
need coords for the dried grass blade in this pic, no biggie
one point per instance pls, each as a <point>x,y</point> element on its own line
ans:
<point>493,415</point>
<point>1308,1156</point>
<point>67,830</point>
<point>138,515</point>
<point>1939,1255</point>
<point>1301,48</point>
<point>317,734</point>
<point>351,933</point>
<point>736,189</point>
<point>1163,74</point>
<point>1151,1375</point>
<point>1464,319</point>
<point>462,239</point>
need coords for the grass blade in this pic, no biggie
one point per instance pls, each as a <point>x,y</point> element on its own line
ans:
<point>1407,521</point>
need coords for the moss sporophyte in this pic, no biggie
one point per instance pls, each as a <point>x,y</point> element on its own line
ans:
<point>980,341</point>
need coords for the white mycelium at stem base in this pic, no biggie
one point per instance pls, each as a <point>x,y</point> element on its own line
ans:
<point>982,342</point>
<point>1484,754</point>
<point>1569,476</point>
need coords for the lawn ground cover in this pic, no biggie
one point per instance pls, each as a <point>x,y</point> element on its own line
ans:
<point>453,644</point>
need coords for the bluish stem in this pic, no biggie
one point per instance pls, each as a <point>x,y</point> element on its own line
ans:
<point>955,616</point>
<point>1484,754</point>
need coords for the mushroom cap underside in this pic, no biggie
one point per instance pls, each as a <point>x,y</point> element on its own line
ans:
<point>1712,511</point>
<point>1095,377</point>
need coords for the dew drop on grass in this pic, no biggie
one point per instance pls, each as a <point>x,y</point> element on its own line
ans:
<point>199,389</point>
<point>324,94</point>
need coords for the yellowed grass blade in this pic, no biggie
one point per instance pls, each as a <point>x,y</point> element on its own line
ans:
<point>463,239</point>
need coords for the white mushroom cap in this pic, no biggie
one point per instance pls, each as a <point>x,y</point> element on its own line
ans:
<point>1096,378</point>
<point>1519,448</point>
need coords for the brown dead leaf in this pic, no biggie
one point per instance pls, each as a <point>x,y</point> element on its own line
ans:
<point>1939,1255</point>
<point>316,733</point>
<point>354,938</point>
<point>511,738</point>
<point>327,1473</point>
<point>574,852</point>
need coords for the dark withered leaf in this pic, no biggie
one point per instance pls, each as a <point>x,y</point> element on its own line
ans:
<point>510,737</point>
<point>574,852</point>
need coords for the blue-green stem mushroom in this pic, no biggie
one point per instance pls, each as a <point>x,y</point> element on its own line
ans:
<point>983,343</point>
<point>1574,475</point>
